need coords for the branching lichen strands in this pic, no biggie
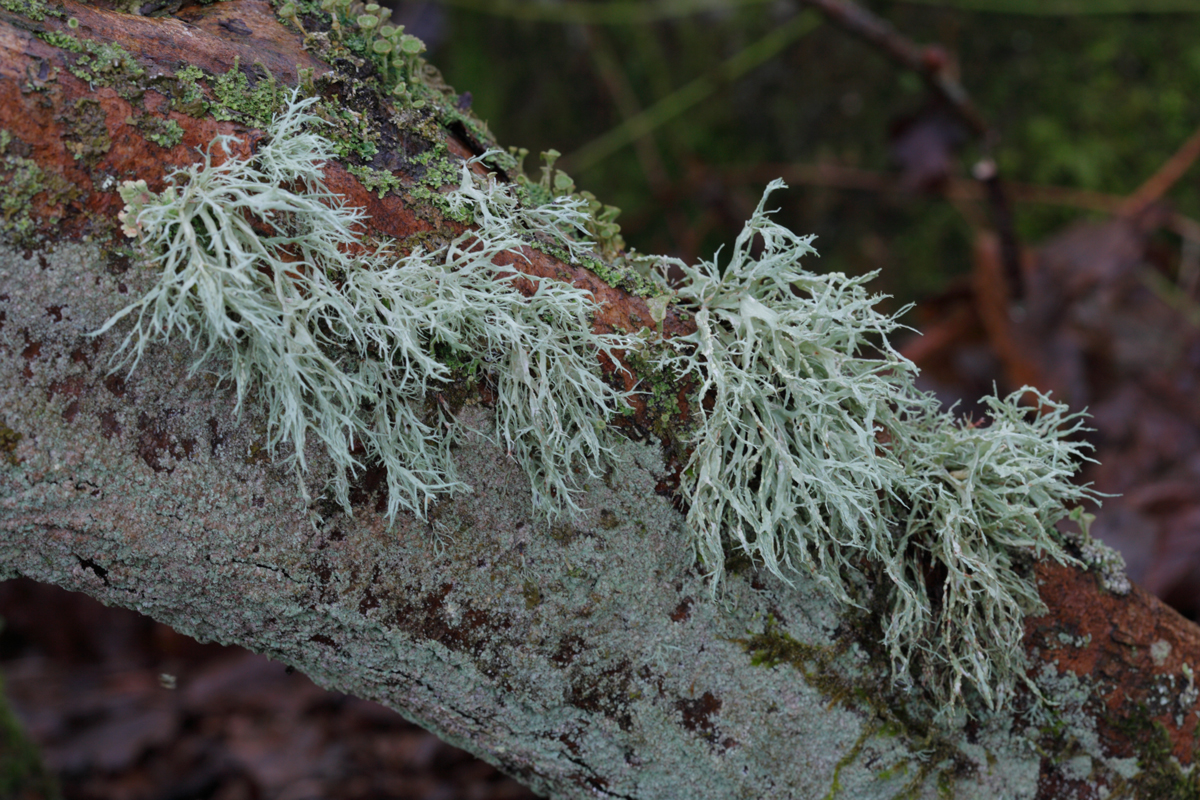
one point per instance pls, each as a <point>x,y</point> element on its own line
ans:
<point>264,273</point>
<point>785,461</point>
<point>819,461</point>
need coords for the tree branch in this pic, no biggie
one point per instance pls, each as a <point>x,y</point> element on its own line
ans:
<point>583,657</point>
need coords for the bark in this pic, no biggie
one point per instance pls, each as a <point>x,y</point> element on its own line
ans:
<point>585,658</point>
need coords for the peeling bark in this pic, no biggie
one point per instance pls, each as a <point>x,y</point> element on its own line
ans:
<point>584,658</point>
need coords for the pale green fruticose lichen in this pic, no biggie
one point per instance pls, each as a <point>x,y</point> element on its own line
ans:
<point>818,460</point>
<point>262,266</point>
<point>813,458</point>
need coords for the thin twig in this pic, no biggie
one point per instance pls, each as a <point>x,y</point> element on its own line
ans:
<point>1167,176</point>
<point>691,93</point>
<point>931,63</point>
<point>836,176</point>
<point>928,62</point>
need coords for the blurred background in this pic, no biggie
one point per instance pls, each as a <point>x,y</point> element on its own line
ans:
<point>1019,173</point>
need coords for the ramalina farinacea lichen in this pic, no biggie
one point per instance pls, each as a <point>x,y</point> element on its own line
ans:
<point>263,270</point>
<point>812,451</point>
<point>817,459</point>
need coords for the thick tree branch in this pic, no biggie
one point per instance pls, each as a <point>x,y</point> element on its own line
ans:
<point>583,657</point>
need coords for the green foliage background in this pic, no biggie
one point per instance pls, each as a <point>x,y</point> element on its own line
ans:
<point>1085,95</point>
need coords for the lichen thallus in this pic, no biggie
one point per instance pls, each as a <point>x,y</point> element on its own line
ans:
<point>819,461</point>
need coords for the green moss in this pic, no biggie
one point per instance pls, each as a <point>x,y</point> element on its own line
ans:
<point>1161,774</point>
<point>25,182</point>
<point>436,199</point>
<point>163,131</point>
<point>109,64</point>
<point>9,439</point>
<point>237,99</point>
<point>35,10</point>
<point>189,97</point>
<point>774,646</point>
<point>351,132</point>
<point>659,390</point>
<point>439,171</point>
<point>87,136</point>
<point>376,180</point>
<point>825,669</point>
<point>62,40</point>
<point>600,224</point>
<point>849,758</point>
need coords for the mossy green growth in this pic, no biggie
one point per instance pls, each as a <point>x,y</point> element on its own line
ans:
<point>256,273</point>
<point>1160,774</point>
<point>236,99</point>
<point>24,180</point>
<point>350,133</point>
<point>62,40</point>
<point>9,439</point>
<point>379,181</point>
<point>163,131</point>
<point>553,183</point>
<point>190,97</point>
<point>108,64</point>
<point>362,30</point>
<point>35,10</point>
<point>87,138</point>
<point>819,460</point>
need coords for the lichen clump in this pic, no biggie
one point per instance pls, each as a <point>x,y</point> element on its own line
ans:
<point>807,453</point>
<point>263,270</point>
<point>818,460</point>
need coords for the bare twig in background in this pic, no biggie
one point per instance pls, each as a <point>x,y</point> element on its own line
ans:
<point>928,62</point>
<point>932,64</point>
<point>1161,181</point>
<point>688,95</point>
<point>837,176</point>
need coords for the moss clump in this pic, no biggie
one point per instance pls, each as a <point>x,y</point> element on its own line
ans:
<point>163,131</point>
<point>87,139</point>
<point>35,10</point>
<point>109,64</point>
<point>379,181</point>
<point>189,97</point>
<point>1160,774</point>
<point>235,98</point>
<point>9,439</point>
<point>61,40</point>
<point>554,184</point>
<point>25,181</point>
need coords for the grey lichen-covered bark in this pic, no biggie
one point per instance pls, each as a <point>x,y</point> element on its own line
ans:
<point>585,658</point>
